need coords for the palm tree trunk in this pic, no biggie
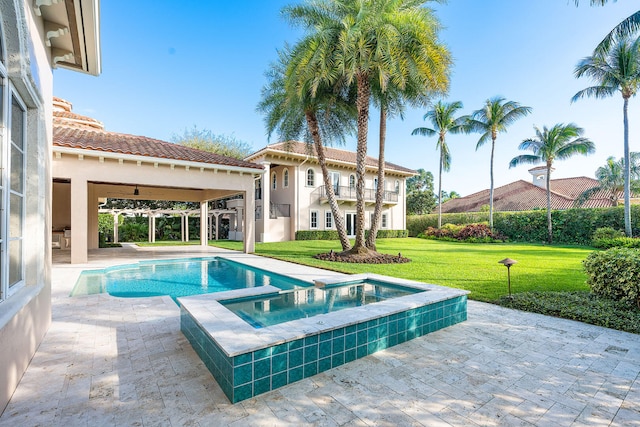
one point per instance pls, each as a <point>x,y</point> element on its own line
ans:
<point>362,104</point>
<point>627,172</point>
<point>338,220</point>
<point>440,186</point>
<point>549,224</point>
<point>377,212</point>
<point>493,147</point>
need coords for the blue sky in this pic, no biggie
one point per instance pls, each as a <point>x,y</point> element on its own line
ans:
<point>170,65</point>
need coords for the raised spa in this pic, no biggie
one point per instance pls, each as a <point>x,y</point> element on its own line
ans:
<point>258,339</point>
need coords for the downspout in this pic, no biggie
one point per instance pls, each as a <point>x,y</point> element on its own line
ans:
<point>297,199</point>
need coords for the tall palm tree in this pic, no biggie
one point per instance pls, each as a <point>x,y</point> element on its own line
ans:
<point>617,70</point>
<point>627,28</point>
<point>443,120</point>
<point>611,180</point>
<point>329,116</point>
<point>392,41</point>
<point>558,143</point>
<point>492,119</point>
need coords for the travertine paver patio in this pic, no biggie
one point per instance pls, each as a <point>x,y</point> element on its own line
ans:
<point>111,361</point>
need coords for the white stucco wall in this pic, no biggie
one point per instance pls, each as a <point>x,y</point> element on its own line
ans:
<point>26,315</point>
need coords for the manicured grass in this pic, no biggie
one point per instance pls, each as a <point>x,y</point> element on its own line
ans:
<point>470,266</point>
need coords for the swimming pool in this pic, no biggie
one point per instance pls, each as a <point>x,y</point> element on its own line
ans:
<point>178,278</point>
<point>282,307</point>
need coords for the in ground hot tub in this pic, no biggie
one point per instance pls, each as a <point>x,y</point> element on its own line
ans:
<point>258,339</point>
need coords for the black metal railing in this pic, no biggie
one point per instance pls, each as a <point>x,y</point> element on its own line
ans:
<point>349,193</point>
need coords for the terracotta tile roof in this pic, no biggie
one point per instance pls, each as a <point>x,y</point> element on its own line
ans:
<point>63,116</point>
<point>331,153</point>
<point>75,131</point>
<point>112,142</point>
<point>522,195</point>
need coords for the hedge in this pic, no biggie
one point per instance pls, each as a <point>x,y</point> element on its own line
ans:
<point>571,226</point>
<point>333,234</point>
<point>615,274</point>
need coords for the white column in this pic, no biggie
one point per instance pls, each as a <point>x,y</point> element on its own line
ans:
<point>204,219</point>
<point>249,221</point>
<point>186,227</point>
<point>116,224</point>
<point>79,221</point>
<point>182,227</point>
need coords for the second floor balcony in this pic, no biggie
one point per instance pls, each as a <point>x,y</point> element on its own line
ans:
<point>348,194</point>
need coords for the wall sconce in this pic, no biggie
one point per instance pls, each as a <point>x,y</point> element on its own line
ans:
<point>136,192</point>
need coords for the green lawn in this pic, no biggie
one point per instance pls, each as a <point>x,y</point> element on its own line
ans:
<point>469,266</point>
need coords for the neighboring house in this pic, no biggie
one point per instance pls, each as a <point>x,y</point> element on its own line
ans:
<point>524,196</point>
<point>35,37</point>
<point>291,195</point>
<point>91,164</point>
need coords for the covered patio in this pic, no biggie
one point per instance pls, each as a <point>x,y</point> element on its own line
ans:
<point>91,165</point>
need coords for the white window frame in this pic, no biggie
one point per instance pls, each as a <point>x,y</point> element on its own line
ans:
<point>397,188</point>
<point>311,174</point>
<point>274,181</point>
<point>313,218</point>
<point>352,181</point>
<point>8,95</point>
<point>328,220</point>
<point>384,221</point>
<point>375,183</point>
<point>285,178</point>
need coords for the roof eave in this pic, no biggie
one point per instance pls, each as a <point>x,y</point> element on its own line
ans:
<point>158,160</point>
<point>267,150</point>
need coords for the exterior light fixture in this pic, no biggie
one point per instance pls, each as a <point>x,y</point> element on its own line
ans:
<point>508,262</point>
<point>136,192</point>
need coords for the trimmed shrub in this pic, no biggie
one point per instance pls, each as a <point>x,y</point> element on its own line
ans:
<point>317,235</point>
<point>617,242</point>
<point>571,226</point>
<point>333,234</point>
<point>615,274</point>
<point>607,233</point>
<point>472,233</point>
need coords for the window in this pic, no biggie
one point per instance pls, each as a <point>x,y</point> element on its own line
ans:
<point>274,181</point>
<point>328,219</point>
<point>397,189</point>
<point>285,178</point>
<point>311,178</point>
<point>313,224</point>
<point>352,181</point>
<point>383,222</point>
<point>12,188</point>
<point>375,183</point>
<point>259,188</point>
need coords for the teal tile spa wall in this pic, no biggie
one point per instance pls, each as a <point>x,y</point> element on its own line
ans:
<point>251,374</point>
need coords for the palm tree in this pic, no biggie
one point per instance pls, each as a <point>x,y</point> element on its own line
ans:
<point>615,71</point>
<point>328,116</point>
<point>627,28</point>
<point>443,120</point>
<point>496,115</point>
<point>558,143</point>
<point>611,180</point>
<point>392,41</point>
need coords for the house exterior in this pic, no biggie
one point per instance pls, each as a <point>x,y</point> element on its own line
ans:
<point>92,164</point>
<point>524,196</point>
<point>291,194</point>
<point>35,37</point>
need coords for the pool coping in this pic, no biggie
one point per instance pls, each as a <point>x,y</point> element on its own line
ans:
<point>235,336</point>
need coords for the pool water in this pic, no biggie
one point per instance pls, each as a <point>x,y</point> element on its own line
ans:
<point>282,307</point>
<point>177,278</point>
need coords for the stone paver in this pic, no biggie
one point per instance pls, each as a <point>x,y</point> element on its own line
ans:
<point>124,362</point>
